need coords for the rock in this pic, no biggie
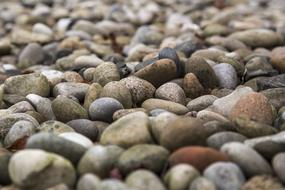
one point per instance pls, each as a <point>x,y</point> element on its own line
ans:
<point>189,47</point>
<point>113,184</point>
<point>258,38</point>
<point>150,157</point>
<point>277,59</point>
<point>118,91</point>
<point>140,89</point>
<point>192,87</point>
<point>263,182</point>
<point>180,177</point>
<point>248,159</point>
<point>106,72</point>
<point>40,28</point>
<point>238,66</point>
<point>144,180</point>
<point>147,35</point>
<point>217,140</point>
<point>198,157</point>
<point>36,167</point>
<point>27,84</point>
<point>92,94</point>
<point>186,131</point>
<point>202,183</point>
<point>58,145</point>
<point>88,182</point>
<point>77,138</point>
<point>21,107</point>
<point>85,127</point>
<point>278,166</point>
<point>216,29</point>
<point>54,127</point>
<point>201,102</point>
<point>275,97</point>
<point>254,106</point>
<point>87,61</point>
<point>42,105</point>
<point>208,116</point>
<point>69,89</point>
<point>122,112</point>
<point>170,106</point>
<point>53,76</point>
<point>103,109</point>
<point>5,157</point>
<point>225,175</point>
<point>225,104</point>
<point>23,37</point>
<point>172,92</point>
<point>271,82</point>
<point>99,160</point>
<point>202,70</point>
<point>209,54</point>
<point>5,47</point>
<point>75,110</point>
<point>169,53</point>
<point>159,72</point>
<point>226,75</point>
<point>31,55</point>
<point>118,132</point>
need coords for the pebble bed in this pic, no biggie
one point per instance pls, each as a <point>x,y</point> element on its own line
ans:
<point>142,95</point>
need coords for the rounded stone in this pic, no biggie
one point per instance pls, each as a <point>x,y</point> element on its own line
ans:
<point>106,72</point>
<point>169,53</point>
<point>118,91</point>
<point>201,102</point>
<point>278,166</point>
<point>31,55</point>
<point>68,89</point>
<point>172,92</point>
<point>77,138</point>
<point>103,109</point>
<point>40,170</point>
<point>54,127</point>
<point>180,177</point>
<point>118,132</point>
<point>263,182</point>
<point>225,175</point>
<point>92,94</point>
<point>278,59</point>
<point>248,159</point>
<point>85,127</point>
<point>217,140</point>
<point>88,182</point>
<point>61,104</point>
<point>191,86</point>
<point>198,157</point>
<point>183,131</point>
<point>226,75</point>
<point>202,183</point>
<point>150,157</point>
<point>254,106</point>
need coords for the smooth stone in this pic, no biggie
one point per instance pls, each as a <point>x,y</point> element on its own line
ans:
<point>186,131</point>
<point>170,106</point>
<point>21,107</point>
<point>171,92</point>
<point>42,29</point>
<point>72,76</point>
<point>69,89</point>
<point>71,150</point>
<point>180,177</point>
<point>118,132</point>
<point>169,53</point>
<point>53,76</point>
<point>210,54</point>
<point>40,170</point>
<point>32,54</point>
<point>87,61</point>
<point>189,47</point>
<point>225,175</point>
<point>202,183</point>
<point>156,112</point>
<point>92,94</point>
<point>61,104</point>
<point>226,75</point>
<point>150,157</point>
<point>103,109</point>
<point>27,84</point>
<point>265,83</point>
<point>238,66</point>
<point>88,182</point>
<point>225,104</point>
<point>201,102</point>
<point>207,116</point>
<point>42,105</point>
<point>99,160</point>
<point>159,72</point>
<point>85,127</point>
<point>197,156</point>
<point>118,91</point>
<point>254,106</point>
<point>278,166</point>
<point>106,72</point>
<point>275,97</point>
<point>23,37</point>
<point>202,70</point>
<point>122,112</point>
<point>20,130</point>
<point>144,180</point>
<point>263,182</point>
<point>5,47</point>
<point>54,127</point>
<point>217,140</point>
<point>277,59</point>
<point>113,184</point>
<point>258,38</point>
<point>192,86</point>
<point>147,35</point>
<point>140,89</point>
<point>248,159</point>
<point>77,138</point>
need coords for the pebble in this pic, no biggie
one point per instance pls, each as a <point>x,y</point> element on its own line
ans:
<point>106,72</point>
<point>277,59</point>
<point>103,109</point>
<point>277,164</point>
<point>88,182</point>
<point>271,82</point>
<point>202,183</point>
<point>31,55</point>
<point>54,127</point>
<point>180,177</point>
<point>275,97</point>
<point>192,86</point>
<point>92,94</point>
<point>169,53</point>
<point>150,157</point>
<point>21,107</point>
<point>248,159</point>
<point>226,75</point>
<point>197,156</point>
<point>201,102</point>
<point>69,89</point>
<point>217,140</point>
<point>85,127</point>
<point>225,175</point>
<point>263,182</point>
<point>171,92</point>
<point>77,138</point>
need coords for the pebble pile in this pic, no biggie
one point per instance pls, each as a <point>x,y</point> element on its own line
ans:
<point>142,95</point>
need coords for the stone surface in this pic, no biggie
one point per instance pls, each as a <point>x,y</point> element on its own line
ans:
<point>172,92</point>
<point>170,106</point>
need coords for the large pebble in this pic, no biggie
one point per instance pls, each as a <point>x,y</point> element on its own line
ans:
<point>201,102</point>
<point>31,55</point>
<point>202,183</point>
<point>69,89</point>
<point>54,127</point>
<point>85,127</point>
<point>263,182</point>
<point>92,94</point>
<point>106,72</point>
<point>172,92</point>
<point>77,138</point>
<point>277,58</point>
<point>192,86</point>
<point>88,182</point>
<point>278,166</point>
<point>226,75</point>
